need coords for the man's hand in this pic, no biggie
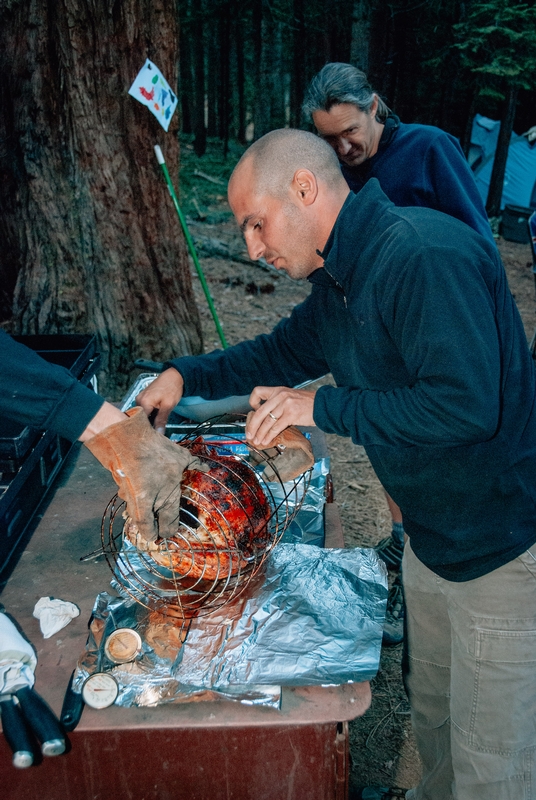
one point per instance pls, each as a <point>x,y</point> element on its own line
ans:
<point>148,470</point>
<point>162,394</point>
<point>277,407</point>
<point>287,456</point>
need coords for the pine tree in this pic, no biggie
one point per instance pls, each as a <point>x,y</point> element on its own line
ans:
<point>497,42</point>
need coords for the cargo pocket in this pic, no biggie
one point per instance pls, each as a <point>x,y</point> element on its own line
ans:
<point>503,714</point>
<point>528,559</point>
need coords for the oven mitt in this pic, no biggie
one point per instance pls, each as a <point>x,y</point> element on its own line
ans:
<point>288,455</point>
<point>148,470</point>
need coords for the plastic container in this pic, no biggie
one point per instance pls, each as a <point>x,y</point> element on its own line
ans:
<point>515,224</point>
<point>30,459</point>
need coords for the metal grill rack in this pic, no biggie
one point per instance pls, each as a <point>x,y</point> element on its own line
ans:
<point>228,521</point>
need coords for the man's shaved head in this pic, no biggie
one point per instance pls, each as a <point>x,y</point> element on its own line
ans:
<point>286,193</point>
<point>275,158</point>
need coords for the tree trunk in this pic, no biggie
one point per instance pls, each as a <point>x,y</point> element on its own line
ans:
<point>212,80</point>
<point>185,74</point>
<point>224,30</point>
<point>198,80</point>
<point>240,80</point>
<point>261,49</point>
<point>493,202</point>
<point>87,225</point>
<point>297,86</point>
<point>359,52</point>
<point>275,76</point>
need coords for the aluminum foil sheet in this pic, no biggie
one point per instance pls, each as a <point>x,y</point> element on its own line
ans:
<point>314,617</point>
<point>150,679</point>
<point>308,525</point>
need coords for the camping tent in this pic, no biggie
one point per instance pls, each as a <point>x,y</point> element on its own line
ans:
<point>520,178</point>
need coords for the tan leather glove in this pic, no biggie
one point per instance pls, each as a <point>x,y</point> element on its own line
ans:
<point>148,470</point>
<point>289,454</point>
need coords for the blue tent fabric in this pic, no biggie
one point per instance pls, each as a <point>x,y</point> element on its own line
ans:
<point>520,178</point>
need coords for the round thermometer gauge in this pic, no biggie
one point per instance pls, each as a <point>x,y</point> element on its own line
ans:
<point>123,645</point>
<point>100,690</point>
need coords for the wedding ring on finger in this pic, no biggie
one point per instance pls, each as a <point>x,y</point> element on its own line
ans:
<point>272,416</point>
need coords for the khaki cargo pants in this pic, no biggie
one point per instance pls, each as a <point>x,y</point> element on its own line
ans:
<point>472,681</point>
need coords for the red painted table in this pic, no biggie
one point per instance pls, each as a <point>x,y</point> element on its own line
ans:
<point>200,751</point>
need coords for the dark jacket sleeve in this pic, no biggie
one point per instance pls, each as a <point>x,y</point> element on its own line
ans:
<point>439,314</point>
<point>453,184</point>
<point>287,356</point>
<point>42,395</point>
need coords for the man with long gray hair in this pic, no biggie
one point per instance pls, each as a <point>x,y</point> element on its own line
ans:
<point>416,165</point>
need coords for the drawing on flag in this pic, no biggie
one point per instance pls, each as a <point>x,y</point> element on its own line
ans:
<point>151,88</point>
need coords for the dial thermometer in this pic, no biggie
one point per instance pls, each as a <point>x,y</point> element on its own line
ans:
<point>123,645</point>
<point>100,690</point>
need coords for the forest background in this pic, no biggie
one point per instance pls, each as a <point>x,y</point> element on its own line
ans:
<point>91,243</point>
<point>245,64</point>
<point>90,240</point>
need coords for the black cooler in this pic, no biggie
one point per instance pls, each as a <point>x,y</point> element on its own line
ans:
<point>31,459</point>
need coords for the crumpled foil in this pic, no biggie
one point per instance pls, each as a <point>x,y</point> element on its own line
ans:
<point>314,616</point>
<point>150,679</point>
<point>307,527</point>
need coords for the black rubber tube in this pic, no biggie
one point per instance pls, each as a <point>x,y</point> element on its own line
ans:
<point>16,733</point>
<point>42,721</point>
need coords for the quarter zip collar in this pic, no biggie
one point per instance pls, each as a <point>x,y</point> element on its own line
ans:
<point>360,219</point>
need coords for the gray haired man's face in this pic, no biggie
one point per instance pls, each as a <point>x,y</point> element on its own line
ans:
<point>353,134</point>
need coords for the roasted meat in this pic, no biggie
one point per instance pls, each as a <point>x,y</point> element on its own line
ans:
<point>222,523</point>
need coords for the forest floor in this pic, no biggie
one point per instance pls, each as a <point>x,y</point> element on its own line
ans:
<point>249,301</point>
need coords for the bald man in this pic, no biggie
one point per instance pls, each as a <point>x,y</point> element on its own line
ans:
<point>411,313</point>
<point>416,165</point>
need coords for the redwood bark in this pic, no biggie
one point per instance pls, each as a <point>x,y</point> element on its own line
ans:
<point>91,240</point>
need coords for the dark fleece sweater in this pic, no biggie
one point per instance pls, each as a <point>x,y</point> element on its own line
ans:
<point>420,165</point>
<point>42,395</point>
<point>413,317</point>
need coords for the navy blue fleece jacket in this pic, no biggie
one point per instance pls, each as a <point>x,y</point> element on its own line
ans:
<point>413,317</point>
<point>42,395</point>
<point>420,165</point>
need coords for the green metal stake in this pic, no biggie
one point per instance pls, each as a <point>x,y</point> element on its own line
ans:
<point>189,242</point>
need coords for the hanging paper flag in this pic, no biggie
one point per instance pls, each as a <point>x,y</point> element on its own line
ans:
<point>152,89</point>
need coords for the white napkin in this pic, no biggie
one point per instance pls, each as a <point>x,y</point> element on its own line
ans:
<point>54,614</point>
<point>17,658</point>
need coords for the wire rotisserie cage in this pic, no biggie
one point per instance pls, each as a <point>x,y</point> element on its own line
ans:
<point>228,520</point>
